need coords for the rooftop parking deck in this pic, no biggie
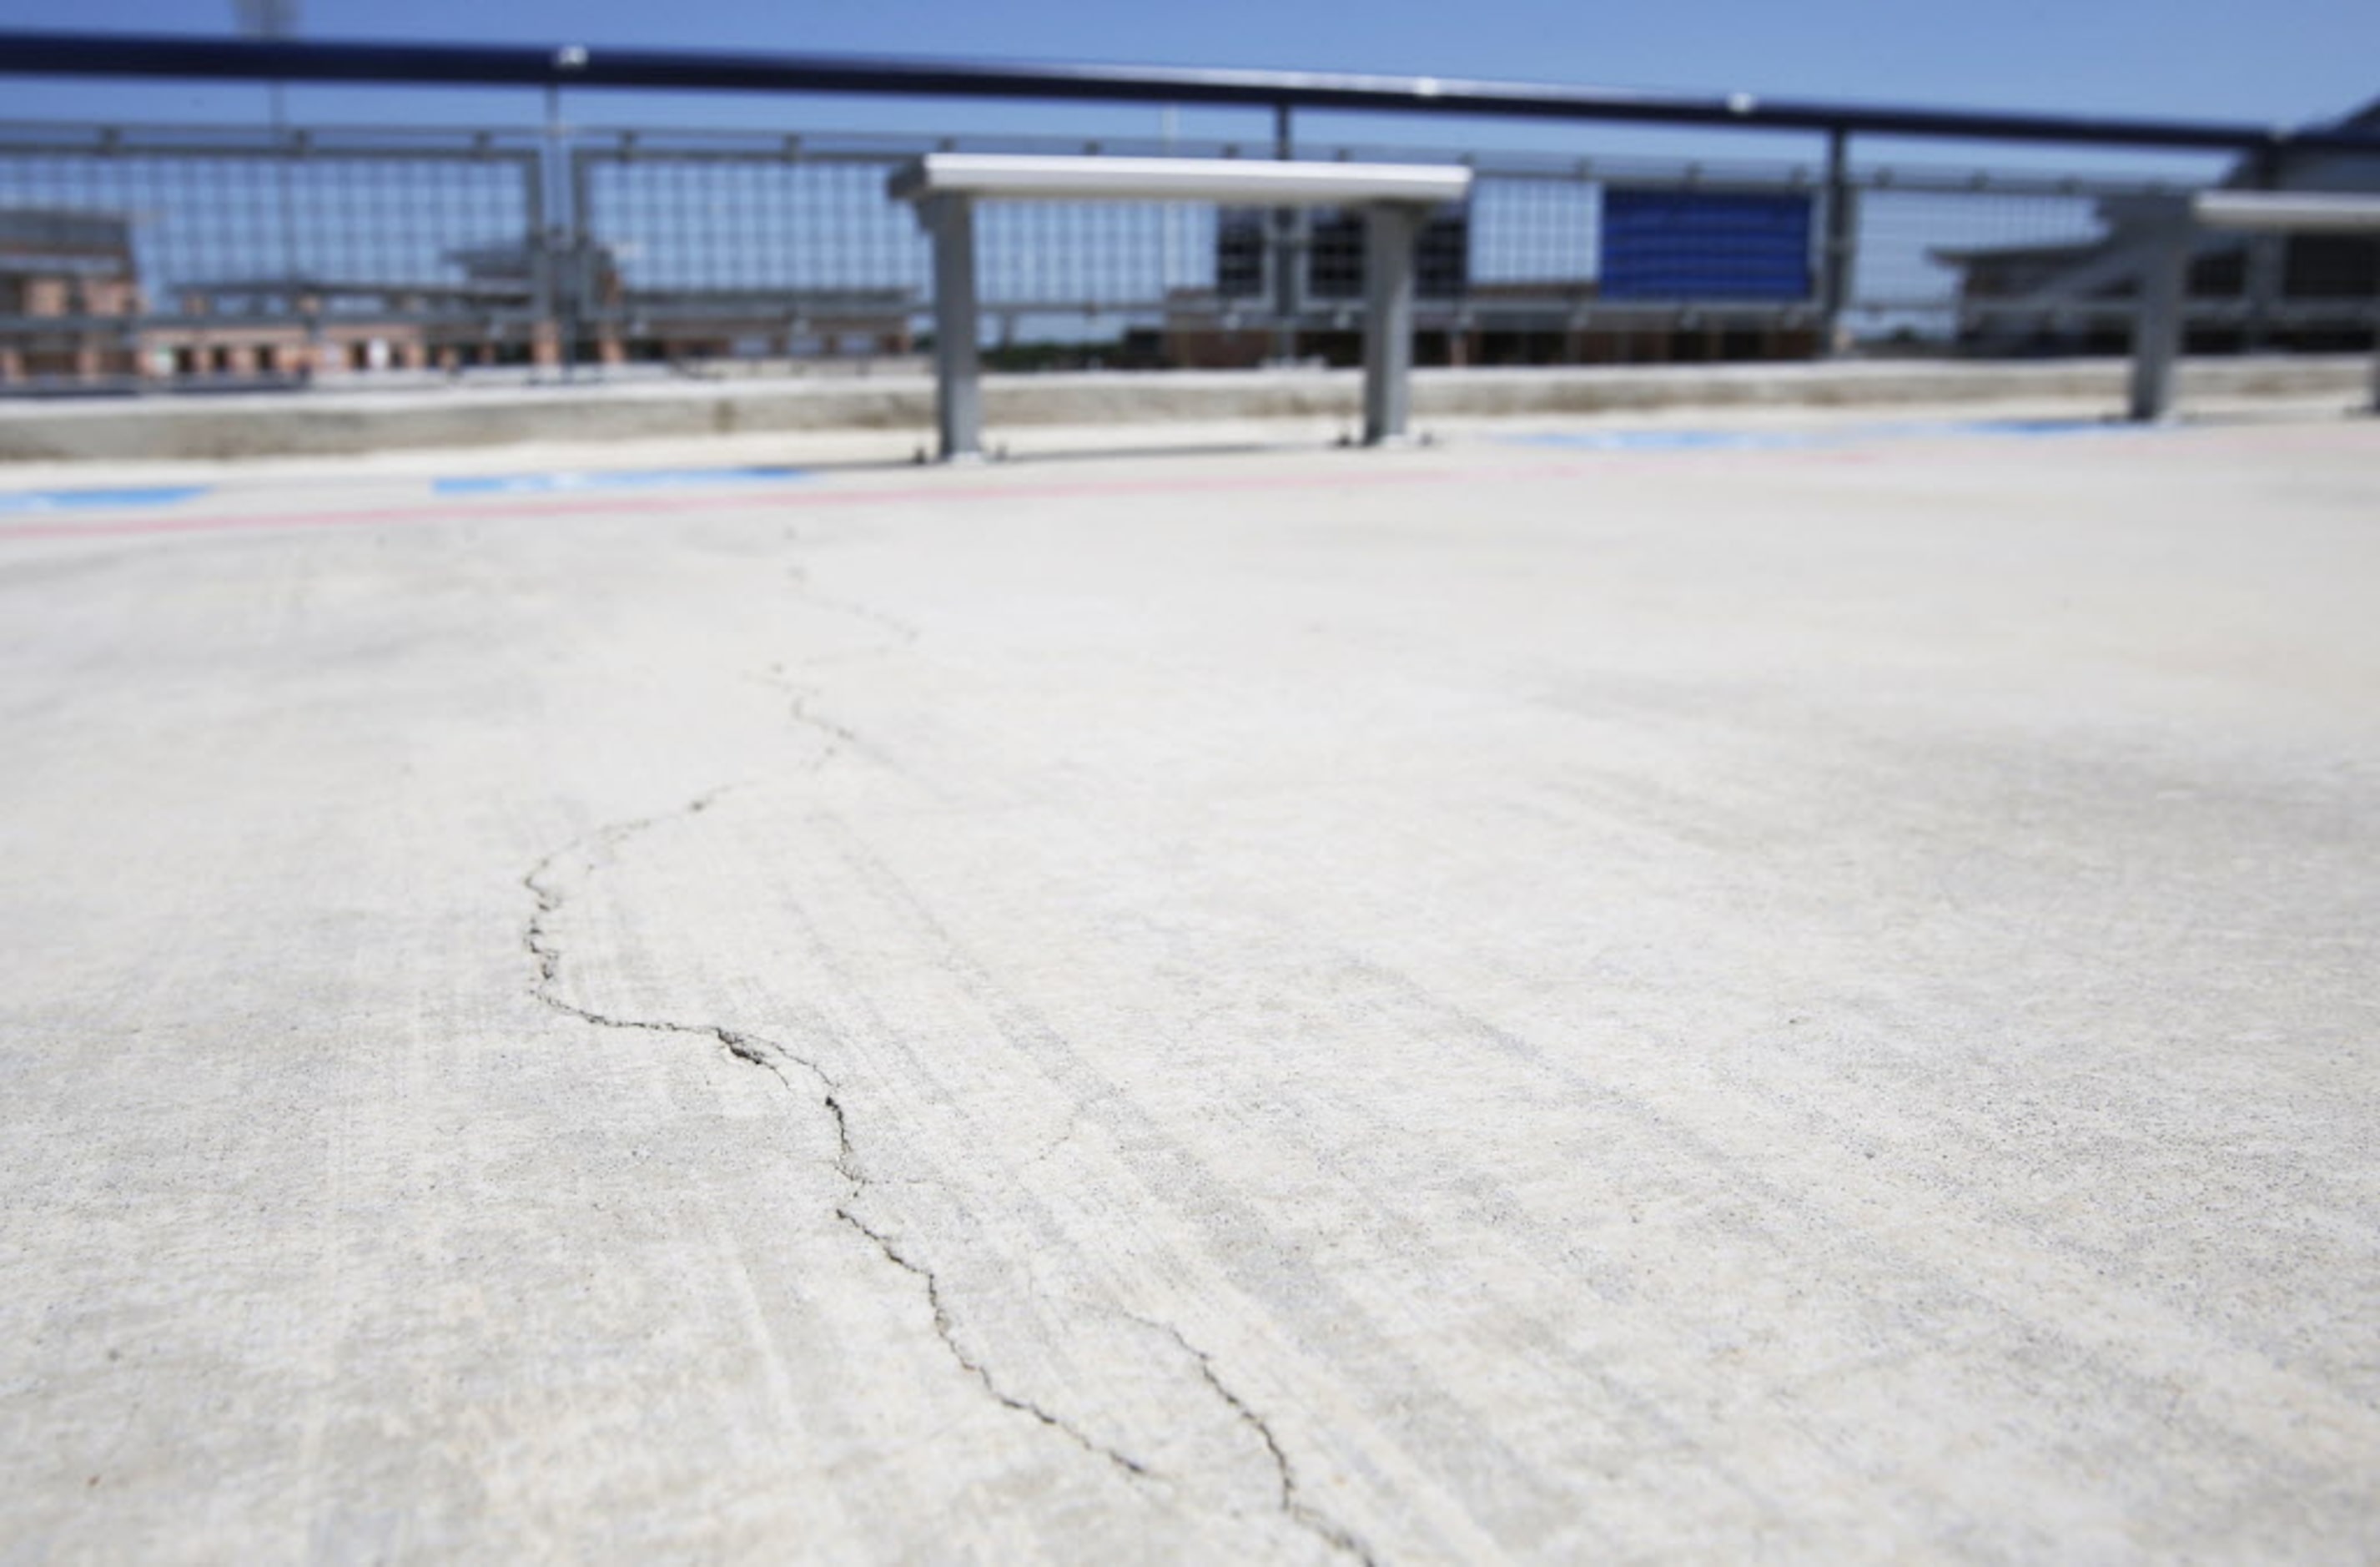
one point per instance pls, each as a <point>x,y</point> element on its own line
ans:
<point>1801,987</point>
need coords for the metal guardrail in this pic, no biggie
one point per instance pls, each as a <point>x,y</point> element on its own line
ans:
<point>338,249</point>
<point>253,253</point>
<point>123,55</point>
<point>1396,200</point>
<point>2173,233</point>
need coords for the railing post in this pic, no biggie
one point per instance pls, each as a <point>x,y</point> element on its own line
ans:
<point>1391,229</point>
<point>585,303</point>
<point>958,393</point>
<point>544,240</point>
<point>1287,254</point>
<point>550,189</point>
<point>1840,242</point>
<point>2158,313</point>
<point>2264,278</point>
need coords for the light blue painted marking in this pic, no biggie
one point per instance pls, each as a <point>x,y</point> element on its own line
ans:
<point>97,500</point>
<point>1803,440</point>
<point>617,479</point>
<point>2028,428</point>
<point>1674,440</point>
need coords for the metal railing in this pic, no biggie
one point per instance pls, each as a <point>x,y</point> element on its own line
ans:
<point>159,255</point>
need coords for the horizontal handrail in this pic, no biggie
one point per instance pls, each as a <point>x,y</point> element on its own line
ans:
<point>138,55</point>
<point>2301,211</point>
<point>995,176</point>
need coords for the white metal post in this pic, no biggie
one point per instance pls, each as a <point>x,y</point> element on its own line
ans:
<point>1390,230</point>
<point>958,392</point>
<point>1288,255</point>
<point>2157,319</point>
<point>1838,243</point>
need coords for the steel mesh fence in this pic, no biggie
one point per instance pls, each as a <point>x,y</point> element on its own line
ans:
<point>2009,264</point>
<point>259,221</point>
<point>159,248</point>
<point>754,223</point>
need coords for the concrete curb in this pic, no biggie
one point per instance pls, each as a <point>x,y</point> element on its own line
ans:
<point>334,423</point>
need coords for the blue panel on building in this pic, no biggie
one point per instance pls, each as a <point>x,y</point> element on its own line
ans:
<point>1704,245</point>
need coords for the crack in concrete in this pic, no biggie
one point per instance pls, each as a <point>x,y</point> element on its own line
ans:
<point>835,738</point>
<point>771,1056</point>
<point>905,633</point>
<point>541,947</point>
<point>947,1330</point>
<point>801,698</point>
<point>1293,1505</point>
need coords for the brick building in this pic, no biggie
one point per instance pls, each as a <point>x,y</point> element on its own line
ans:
<point>79,270</point>
<point>75,269</point>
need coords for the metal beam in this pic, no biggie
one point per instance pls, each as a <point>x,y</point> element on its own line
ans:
<point>1243,181</point>
<point>1397,200</point>
<point>1840,246</point>
<point>958,367</point>
<point>138,55</point>
<point>2166,246</point>
<point>1391,232</point>
<point>1288,256</point>
<point>2268,213</point>
<point>2298,212</point>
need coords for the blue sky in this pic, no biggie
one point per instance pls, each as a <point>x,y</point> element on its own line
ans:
<point>2282,60</point>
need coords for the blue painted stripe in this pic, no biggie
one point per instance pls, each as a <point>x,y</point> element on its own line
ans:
<point>613,479</point>
<point>1672,440</point>
<point>1801,439</point>
<point>97,500</point>
<point>2021,427</point>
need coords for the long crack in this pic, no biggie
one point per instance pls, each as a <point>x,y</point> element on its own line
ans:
<point>1311,1519</point>
<point>801,698</point>
<point>834,738</point>
<point>772,1056</point>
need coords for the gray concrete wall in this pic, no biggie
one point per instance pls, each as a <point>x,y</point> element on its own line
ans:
<point>327,423</point>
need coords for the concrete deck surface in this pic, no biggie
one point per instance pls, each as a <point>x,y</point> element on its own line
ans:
<point>1501,1002</point>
